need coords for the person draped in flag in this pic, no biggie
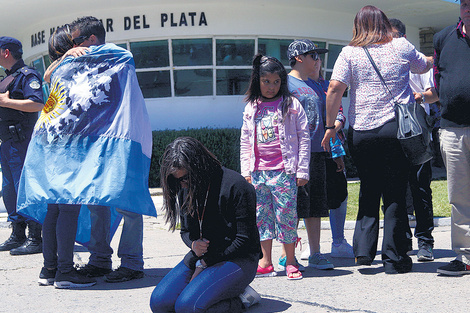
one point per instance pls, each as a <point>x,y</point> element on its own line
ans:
<point>90,154</point>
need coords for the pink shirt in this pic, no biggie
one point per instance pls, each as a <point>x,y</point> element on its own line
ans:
<point>268,148</point>
<point>371,106</point>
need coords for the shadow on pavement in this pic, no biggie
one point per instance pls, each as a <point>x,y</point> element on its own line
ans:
<point>152,278</point>
<point>270,305</point>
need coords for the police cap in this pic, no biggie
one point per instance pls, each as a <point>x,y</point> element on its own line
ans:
<point>11,44</point>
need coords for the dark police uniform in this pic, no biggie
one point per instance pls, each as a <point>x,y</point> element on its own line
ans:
<point>16,128</point>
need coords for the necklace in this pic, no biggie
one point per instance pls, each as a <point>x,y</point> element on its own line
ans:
<point>201,218</point>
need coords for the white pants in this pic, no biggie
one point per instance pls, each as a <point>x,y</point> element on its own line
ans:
<point>455,149</point>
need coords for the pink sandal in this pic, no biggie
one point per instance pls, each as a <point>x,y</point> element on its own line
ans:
<point>291,270</point>
<point>265,271</point>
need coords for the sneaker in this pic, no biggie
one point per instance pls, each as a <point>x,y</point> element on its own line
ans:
<point>319,261</point>
<point>281,266</point>
<point>72,279</point>
<point>425,252</point>
<point>249,297</point>
<point>306,254</point>
<point>265,271</point>
<point>343,250</point>
<point>90,270</point>
<point>454,268</point>
<point>47,277</point>
<point>123,274</point>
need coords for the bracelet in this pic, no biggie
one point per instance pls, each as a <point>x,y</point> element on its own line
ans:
<point>199,264</point>
<point>330,127</point>
<point>423,100</point>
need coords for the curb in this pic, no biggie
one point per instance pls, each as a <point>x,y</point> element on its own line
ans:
<point>438,221</point>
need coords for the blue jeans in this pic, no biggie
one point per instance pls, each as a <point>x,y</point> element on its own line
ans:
<point>58,234</point>
<point>337,219</point>
<point>130,248</point>
<point>215,289</point>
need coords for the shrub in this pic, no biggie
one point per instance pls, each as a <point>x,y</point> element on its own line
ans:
<point>224,143</point>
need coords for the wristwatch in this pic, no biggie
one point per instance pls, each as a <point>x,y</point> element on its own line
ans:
<point>330,127</point>
<point>199,264</point>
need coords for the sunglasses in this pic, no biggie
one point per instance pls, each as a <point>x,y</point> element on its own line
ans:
<point>314,56</point>
<point>79,40</point>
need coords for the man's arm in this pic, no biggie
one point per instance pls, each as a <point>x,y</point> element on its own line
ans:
<point>20,105</point>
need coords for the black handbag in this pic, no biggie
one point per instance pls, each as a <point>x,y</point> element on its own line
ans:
<point>413,132</point>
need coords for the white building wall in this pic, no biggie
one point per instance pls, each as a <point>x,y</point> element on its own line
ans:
<point>224,19</point>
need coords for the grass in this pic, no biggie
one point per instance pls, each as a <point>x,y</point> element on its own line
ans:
<point>440,201</point>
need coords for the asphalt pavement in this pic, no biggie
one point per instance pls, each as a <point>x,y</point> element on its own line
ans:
<point>347,288</point>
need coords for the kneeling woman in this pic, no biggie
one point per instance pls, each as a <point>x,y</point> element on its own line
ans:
<point>217,210</point>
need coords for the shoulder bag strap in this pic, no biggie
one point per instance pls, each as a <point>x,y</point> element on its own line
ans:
<point>378,72</point>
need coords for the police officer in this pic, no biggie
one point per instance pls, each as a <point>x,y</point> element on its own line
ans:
<point>21,97</point>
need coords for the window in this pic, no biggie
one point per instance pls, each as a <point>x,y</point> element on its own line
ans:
<point>155,84</point>
<point>275,48</point>
<point>39,66</point>
<point>150,53</point>
<point>235,52</point>
<point>191,52</point>
<point>122,45</point>
<point>334,51</point>
<point>233,81</point>
<point>193,83</point>
<point>208,66</point>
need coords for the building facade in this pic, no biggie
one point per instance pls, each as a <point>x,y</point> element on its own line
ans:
<point>193,58</point>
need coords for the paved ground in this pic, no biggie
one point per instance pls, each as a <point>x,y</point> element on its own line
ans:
<point>347,288</point>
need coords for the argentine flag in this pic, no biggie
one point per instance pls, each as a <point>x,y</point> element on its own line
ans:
<point>92,142</point>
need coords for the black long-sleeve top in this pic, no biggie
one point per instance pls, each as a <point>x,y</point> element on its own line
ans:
<point>229,221</point>
<point>451,73</point>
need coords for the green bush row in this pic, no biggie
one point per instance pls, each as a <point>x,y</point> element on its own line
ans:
<point>223,142</point>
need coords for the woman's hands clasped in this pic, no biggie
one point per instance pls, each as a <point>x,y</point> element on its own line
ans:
<point>200,246</point>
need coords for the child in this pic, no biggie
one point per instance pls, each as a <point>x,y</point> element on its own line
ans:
<point>274,154</point>
<point>304,83</point>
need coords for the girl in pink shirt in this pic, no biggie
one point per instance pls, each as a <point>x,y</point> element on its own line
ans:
<point>274,154</point>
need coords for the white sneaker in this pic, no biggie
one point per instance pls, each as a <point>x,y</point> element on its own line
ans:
<point>343,250</point>
<point>249,297</point>
<point>306,254</point>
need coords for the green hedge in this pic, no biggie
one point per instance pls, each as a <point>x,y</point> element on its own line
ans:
<point>224,143</point>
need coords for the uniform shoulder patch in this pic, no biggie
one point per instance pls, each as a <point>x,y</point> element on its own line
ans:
<point>34,84</point>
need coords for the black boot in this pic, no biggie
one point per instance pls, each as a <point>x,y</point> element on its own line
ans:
<point>17,237</point>
<point>34,242</point>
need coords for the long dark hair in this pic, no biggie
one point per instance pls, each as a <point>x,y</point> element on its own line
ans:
<point>371,26</point>
<point>60,42</point>
<point>189,154</point>
<point>261,66</point>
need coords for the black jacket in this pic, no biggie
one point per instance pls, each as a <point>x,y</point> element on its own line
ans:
<point>229,221</point>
